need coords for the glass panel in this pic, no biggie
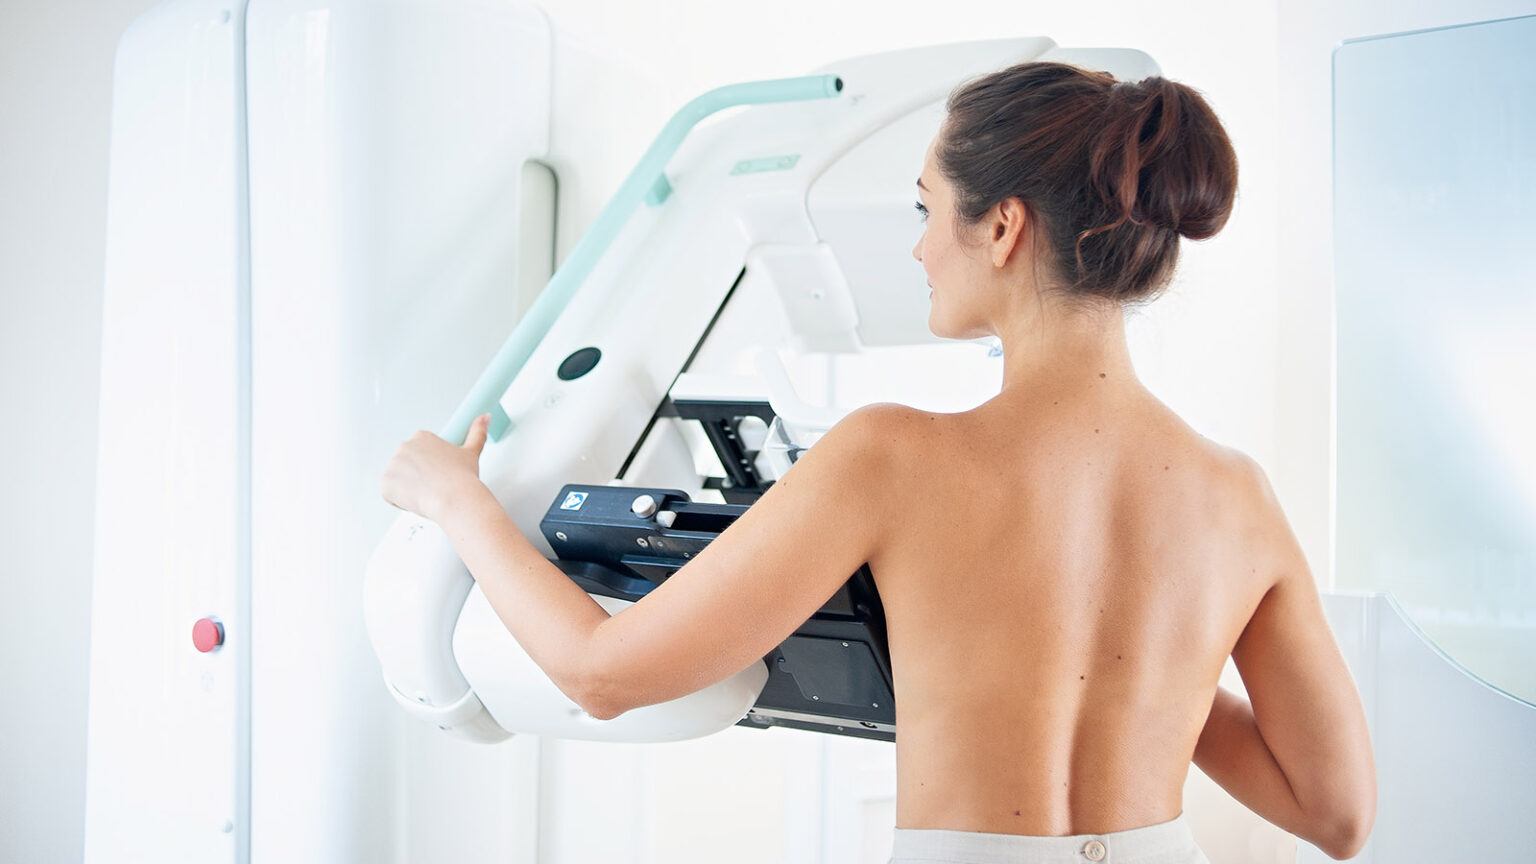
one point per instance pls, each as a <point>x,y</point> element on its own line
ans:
<point>1435,211</point>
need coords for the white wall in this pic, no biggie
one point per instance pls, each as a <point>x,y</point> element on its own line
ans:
<point>55,98</point>
<point>1242,345</point>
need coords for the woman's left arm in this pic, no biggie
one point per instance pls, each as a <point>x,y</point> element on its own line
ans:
<point>745,593</point>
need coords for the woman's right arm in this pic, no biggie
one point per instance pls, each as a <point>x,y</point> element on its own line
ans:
<point>1299,754</point>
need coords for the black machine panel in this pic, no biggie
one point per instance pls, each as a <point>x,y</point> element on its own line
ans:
<point>833,674</point>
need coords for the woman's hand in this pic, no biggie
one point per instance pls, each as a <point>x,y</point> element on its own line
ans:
<point>427,472</point>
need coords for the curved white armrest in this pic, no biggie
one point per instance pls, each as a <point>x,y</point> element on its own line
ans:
<point>413,589</point>
<point>522,698</point>
<point>450,661</point>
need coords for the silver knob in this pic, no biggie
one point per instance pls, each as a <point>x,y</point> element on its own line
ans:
<point>644,507</point>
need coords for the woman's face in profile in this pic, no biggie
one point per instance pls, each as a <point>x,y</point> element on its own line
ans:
<point>950,265</point>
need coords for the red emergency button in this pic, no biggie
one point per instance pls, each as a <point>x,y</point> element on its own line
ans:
<point>207,634</point>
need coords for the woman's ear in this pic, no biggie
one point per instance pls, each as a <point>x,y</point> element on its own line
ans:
<point>1007,228</point>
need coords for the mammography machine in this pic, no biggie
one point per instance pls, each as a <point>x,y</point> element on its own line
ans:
<point>328,222</point>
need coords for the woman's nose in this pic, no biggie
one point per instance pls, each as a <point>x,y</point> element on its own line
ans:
<point>917,250</point>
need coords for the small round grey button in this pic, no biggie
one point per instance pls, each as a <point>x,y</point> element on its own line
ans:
<point>644,507</point>
<point>1093,850</point>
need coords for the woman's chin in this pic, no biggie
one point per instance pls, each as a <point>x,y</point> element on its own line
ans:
<point>948,330</point>
<point>937,327</point>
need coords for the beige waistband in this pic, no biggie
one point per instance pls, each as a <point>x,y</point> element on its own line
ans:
<point>1168,843</point>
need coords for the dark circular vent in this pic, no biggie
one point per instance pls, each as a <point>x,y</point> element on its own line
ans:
<point>579,363</point>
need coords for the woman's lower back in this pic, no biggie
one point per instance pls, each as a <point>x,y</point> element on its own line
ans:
<point>1024,774</point>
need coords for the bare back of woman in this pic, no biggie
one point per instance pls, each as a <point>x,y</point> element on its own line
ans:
<point>1071,571</point>
<point>1061,598</point>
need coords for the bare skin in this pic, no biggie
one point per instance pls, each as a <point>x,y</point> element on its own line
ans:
<point>1090,577</point>
<point>1073,577</point>
<point>1065,570</point>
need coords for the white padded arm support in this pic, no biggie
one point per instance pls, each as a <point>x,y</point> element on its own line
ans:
<point>413,590</point>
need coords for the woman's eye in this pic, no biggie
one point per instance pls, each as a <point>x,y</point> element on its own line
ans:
<point>922,212</point>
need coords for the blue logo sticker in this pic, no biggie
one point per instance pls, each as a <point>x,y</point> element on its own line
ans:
<point>574,501</point>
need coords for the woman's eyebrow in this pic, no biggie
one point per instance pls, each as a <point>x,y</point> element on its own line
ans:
<point>920,184</point>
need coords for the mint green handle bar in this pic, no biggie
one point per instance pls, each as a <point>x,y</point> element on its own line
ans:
<point>648,175</point>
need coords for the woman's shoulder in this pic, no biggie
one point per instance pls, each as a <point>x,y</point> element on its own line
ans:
<point>1228,469</point>
<point>879,444</point>
<point>1229,481</point>
<point>1242,479</point>
<point>889,426</point>
<point>1251,513</point>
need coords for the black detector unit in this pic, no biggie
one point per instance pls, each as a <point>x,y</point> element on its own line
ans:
<point>833,674</point>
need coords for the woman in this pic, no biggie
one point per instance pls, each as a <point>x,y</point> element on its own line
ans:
<point>1065,569</point>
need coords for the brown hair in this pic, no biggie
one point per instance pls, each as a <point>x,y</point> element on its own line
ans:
<point>1113,173</point>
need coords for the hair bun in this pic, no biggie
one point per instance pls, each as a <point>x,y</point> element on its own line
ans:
<point>1162,159</point>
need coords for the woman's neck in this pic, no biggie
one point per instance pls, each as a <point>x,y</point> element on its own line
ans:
<point>1064,348</point>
